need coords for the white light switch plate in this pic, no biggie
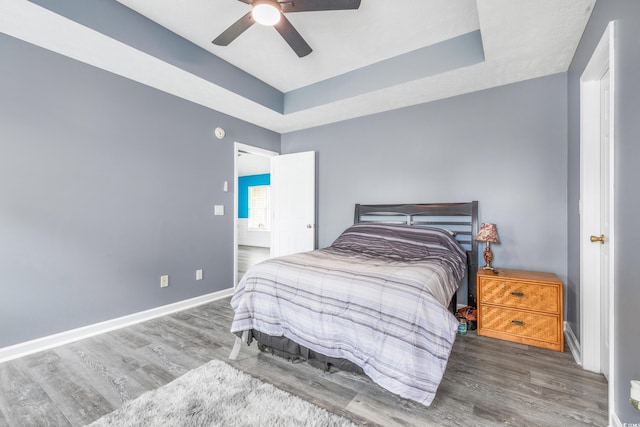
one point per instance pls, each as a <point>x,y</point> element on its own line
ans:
<point>164,281</point>
<point>218,210</point>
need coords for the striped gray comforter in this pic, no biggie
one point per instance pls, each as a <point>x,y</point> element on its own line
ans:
<point>377,297</point>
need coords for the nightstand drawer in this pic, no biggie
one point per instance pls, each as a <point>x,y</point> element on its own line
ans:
<point>544,327</point>
<point>517,294</point>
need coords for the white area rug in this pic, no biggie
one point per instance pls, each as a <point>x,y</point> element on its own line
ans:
<point>217,394</point>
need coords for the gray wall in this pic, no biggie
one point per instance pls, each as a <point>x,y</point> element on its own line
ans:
<point>106,184</point>
<point>505,147</point>
<point>627,196</point>
<point>121,23</point>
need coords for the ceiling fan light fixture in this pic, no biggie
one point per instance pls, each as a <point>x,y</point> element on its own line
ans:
<point>266,12</point>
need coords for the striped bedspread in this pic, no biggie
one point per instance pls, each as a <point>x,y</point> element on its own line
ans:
<point>377,297</point>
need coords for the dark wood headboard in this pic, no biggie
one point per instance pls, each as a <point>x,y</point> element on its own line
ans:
<point>461,218</point>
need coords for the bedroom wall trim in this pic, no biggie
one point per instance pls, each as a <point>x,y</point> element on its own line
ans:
<point>62,338</point>
<point>573,343</point>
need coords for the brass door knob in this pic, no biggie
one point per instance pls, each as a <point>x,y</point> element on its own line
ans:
<point>597,239</point>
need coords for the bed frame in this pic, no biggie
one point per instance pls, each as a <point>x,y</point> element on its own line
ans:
<point>460,218</point>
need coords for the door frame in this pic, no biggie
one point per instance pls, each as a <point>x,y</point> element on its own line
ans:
<point>590,311</point>
<point>237,147</point>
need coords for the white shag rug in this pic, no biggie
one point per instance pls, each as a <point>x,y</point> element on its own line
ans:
<point>217,394</point>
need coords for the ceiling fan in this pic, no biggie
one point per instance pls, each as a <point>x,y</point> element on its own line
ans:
<point>271,12</point>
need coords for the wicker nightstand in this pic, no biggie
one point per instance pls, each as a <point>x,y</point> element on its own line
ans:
<point>521,306</point>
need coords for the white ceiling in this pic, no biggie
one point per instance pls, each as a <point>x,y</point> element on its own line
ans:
<point>522,39</point>
<point>253,164</point>
<point>341,40</point>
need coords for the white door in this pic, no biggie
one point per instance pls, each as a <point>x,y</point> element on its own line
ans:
<point>605,234</point>
<point>597,221</point>
<point>293,201</point>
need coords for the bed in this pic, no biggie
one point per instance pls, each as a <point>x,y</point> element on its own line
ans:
<point>376,301</point>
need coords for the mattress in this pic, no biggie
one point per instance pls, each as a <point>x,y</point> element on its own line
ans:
<point>376,297</point>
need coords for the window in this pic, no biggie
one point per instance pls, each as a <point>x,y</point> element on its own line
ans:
<point>259,207</point>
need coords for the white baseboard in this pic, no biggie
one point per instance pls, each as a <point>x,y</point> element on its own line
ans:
<point>615,421</point>
<point>573,343</point>
<point>51,341</point>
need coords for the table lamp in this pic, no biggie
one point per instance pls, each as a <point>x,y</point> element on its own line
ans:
<point>489,234</point>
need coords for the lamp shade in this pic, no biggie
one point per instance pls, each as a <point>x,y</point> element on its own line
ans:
<point>488,233</point>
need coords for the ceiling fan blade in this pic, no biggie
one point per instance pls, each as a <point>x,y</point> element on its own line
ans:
<point>313,5</point>
<point>239,27</point>
<point>292,37</point>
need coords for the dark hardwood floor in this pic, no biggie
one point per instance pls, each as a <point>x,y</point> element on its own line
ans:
<point>488,382</point>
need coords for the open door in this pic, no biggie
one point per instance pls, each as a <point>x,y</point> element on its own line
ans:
<point>293,201</point>
<point>596,213</point>
<point>597,234</point>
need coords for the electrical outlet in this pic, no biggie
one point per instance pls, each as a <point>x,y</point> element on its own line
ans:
<point>199,275</point>
<point>164,281</point>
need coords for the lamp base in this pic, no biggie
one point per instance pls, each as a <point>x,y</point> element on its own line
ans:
<point>488,257</point>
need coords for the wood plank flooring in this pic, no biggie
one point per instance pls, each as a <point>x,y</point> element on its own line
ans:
<point>488,382</point>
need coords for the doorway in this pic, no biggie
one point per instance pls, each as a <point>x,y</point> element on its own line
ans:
<point>252,239</point>
<point>597,235</point>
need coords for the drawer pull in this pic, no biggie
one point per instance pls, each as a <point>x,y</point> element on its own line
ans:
<point>517,294</point>
<point>518,322</point>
